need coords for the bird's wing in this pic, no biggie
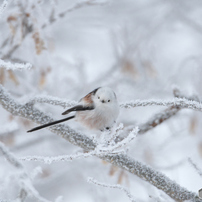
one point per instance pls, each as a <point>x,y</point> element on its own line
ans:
<point>87,103</point>
<point>78,108</point>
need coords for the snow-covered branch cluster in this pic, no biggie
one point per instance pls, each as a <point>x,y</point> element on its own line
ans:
<point>25,182</point>
<point>74,47</point>
<point>176,102</point>
<point>109,148</point>
<point>53,101</point>
<point>120,160</point>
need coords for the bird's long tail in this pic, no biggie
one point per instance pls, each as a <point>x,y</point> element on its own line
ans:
<point>50,124</point>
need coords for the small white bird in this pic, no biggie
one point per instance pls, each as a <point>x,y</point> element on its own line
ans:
<point>98,110</point>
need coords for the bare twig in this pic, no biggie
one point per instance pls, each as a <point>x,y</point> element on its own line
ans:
<point>195,167</point>
<point>114,186</point>
<point>78,5</point>
<point>3,7</point>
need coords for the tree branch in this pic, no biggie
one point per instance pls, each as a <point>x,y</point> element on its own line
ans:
<point>146,173</point>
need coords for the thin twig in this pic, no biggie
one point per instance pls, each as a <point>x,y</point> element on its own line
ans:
<point>114,186</point>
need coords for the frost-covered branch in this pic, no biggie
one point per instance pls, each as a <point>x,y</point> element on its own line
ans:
<point>114,186</point>
<point>52,159</point>
<point>113,146</point>
<point>15,66</point>
<point>24,179</point>
<point>99,150</point>
<point>123,161</point>
<point>176,102</point>
<point>53,101</point>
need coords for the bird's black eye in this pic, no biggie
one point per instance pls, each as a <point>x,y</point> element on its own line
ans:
<point>108,100</point>
<point>98,97</point>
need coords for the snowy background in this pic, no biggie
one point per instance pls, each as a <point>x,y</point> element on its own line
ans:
<point>142,49</point>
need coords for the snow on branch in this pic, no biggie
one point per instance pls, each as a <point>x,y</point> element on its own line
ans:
<point>123,161</point>
<point>114,186</point>
<point>15,66</point>
<point>52,159</point>
<point>53,101</point>
<point>10,157</point>
<point>113,146</point>
<point>176,102</point>
<point>99,150</point>
<point>3,7</point>
<point>24,179</point>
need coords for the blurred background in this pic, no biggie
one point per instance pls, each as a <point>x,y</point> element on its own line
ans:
<point>141,49</point>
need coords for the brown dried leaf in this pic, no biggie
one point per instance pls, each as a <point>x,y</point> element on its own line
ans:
<point>8,138</point>
<point>13,77</point>
<point>129,69</point>
<point>2,75</point>
<point>11,18</point>
<point>104,162</point>
<point>121,176</point>
<point>113,169</point>
<point>11,117</point>
<point>39,43</point>
<point>193,125</point>
<point>42,79</point>
<point>150,70</point>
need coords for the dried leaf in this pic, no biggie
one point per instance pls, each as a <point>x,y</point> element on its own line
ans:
<point>104,162</point>
<point>150,70</point>
<point>39,44</point>
<point>42,79</point>
<point>8,138</point>
<point>11,18</point>
<point>193,125</point>
<point>13,77</point>
<point>121,176</point>
<point>113,169</point>
<point>129,69</point>
<point>2,75</point>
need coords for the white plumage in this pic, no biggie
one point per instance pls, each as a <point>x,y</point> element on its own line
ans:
<point>105,112</point>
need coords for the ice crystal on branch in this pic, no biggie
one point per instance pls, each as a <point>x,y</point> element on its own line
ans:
<point>15,66</point>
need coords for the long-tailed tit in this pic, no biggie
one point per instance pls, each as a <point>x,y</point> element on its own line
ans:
<point>98,110</point>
